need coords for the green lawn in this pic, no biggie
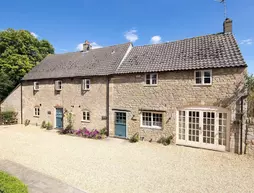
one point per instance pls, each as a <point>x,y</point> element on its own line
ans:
<point>10,184</point>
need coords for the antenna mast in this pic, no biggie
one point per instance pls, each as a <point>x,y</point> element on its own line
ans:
<point>225,7</point>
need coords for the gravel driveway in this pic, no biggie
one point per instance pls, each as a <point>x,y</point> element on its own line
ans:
<point>114,165</point>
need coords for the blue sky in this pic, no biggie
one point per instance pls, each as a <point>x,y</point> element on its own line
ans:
<point>68,23</point>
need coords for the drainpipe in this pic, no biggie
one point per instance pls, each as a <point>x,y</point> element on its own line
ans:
<point>242,121</point>
<point>241,132</point>
<point>21,105</point>
<point>107,104</point>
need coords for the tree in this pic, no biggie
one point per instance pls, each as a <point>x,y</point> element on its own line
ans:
<point>6,85</point>
<point>20,51</point>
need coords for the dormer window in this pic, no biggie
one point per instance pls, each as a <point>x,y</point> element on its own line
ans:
<point>203,77</point>
<point>36,86</point>
<point>58,85</point>
<point>151,79</point>
<point>86,84</point>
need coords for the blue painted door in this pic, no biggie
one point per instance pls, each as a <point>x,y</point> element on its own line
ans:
<point>59,118</point>
<point>120,124</point>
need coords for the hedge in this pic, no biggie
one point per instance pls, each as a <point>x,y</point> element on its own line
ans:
<point>8,117</point>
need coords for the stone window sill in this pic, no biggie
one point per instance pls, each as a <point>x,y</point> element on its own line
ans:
<point>152,128</point>
<point>84,121</point>
<point>202,85</point>
<point>148,85</point>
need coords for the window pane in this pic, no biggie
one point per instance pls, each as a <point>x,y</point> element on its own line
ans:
<point>198,74</point>
<point>59,85</point>
<point>88,116</point>
<point>146,119</point>
<point>154,78</point>
<point>84,115</point>
<point>207,80</point>
<point>148,79</point>
<point>207,73</point>
<point>157,120</point>
<point>198,81</point>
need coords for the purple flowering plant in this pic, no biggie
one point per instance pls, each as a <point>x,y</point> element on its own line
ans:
<point>84,132</point>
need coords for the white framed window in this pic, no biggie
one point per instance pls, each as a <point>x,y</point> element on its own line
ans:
<point>86,84</point>
<point>86,116</point>
<point>58,85</point>
<point>151,119</point>
<point>36,86</point>
<point>203,77</point>
<point>151,79</point>
<point>37,111</point>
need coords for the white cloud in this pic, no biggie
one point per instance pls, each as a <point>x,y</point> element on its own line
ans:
<point>247,42</point>
<point>93,44</point>
<point>155,40</point>
<point>35,35</point>
<point>131,35</point>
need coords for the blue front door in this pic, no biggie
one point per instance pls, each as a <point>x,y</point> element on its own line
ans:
<point>120,124</point>
<point>59,118</point>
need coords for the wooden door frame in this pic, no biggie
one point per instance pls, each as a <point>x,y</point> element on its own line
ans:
<point>217,110</point>
<point>62,117</point>
<point>126,124</point>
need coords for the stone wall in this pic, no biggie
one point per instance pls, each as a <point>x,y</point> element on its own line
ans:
<point>71,98</point>
<point>174,90</point>
<point>250,138</point>
<point>13,102</point>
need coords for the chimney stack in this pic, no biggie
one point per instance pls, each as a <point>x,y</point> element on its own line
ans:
<point>227,26</point>
<point>86,46</point>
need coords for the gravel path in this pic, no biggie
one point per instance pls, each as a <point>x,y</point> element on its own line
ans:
<point>114,165</point>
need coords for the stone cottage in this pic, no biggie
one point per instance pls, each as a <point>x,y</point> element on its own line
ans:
<point>192,89</point>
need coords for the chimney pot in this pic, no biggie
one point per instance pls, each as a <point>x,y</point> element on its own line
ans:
<point>86,46</point>
<point>227,26</point>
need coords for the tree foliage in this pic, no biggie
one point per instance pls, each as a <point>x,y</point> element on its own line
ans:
<point>6,85</point>
<point>20,51</point>
<point>250,83</point>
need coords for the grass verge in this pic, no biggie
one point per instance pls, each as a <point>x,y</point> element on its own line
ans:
<point>10,184</point>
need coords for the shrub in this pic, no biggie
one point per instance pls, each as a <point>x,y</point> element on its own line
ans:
<point>43,125</point>
<point>103,131</point>
<point>70,120</point>
<point>9,117</point>
<point>27,122</point>
<point>66,131</point>
<point>134,138</point>
<point>49,126</point>
<point>165,140</point>
<point>9,184</point>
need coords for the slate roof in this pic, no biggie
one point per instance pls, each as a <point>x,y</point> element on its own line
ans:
<point>210,51</point>
<point>97,62</point>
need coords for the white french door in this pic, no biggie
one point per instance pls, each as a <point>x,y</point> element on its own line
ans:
<point>202,128</point>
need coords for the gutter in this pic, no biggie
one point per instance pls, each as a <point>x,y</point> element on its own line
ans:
<point>21,103</point>
<point>241,128</point>
<point>241,132</point>
<point>107,104</point>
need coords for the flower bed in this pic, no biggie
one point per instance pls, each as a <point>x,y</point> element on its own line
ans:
<point>86,133</point>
